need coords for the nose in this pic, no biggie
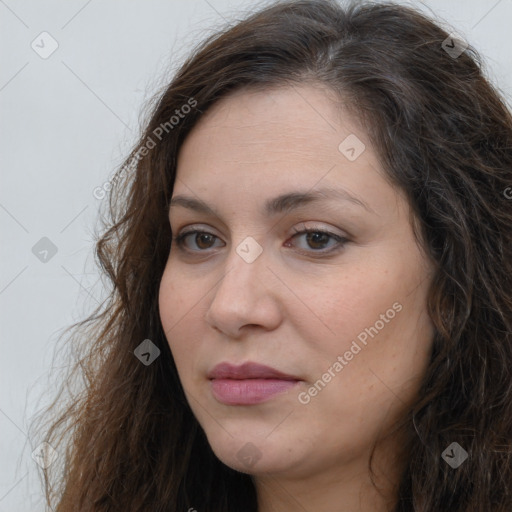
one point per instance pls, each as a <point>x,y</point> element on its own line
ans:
<point>243,298</point>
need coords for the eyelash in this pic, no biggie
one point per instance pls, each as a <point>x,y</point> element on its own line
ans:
<point>179,239</point>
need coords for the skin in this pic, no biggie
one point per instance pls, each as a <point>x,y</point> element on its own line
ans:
<point>293,308</point>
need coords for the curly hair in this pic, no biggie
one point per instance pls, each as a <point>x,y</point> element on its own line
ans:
<point>444,136</point>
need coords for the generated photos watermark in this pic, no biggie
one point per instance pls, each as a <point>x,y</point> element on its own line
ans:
<point>158,133</point>
<point>341,361</point>
<point>454,455</point>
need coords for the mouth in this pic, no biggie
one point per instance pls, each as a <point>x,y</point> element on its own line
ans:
<point>249,383</point>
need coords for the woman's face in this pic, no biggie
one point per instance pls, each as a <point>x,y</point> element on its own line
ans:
<point>342,313</point>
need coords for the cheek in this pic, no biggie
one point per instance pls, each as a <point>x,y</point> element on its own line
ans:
<point>179,307</point>
<point>378,328</point>
<point>345,309</point>
<point>168,302</point>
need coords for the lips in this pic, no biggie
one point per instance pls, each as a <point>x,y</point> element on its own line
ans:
<point>247,371</point>
<point>248,384</point>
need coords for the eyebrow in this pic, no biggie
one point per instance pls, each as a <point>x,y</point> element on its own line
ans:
<point>283,203</point>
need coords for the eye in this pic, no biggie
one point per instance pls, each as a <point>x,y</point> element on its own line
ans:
<point>315,238</point>
<point>318,239</point>
<point>203,240</point>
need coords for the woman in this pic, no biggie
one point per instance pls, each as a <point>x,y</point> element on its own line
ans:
<point>311,257</point>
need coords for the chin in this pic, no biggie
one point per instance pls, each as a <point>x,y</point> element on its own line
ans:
<point>254,455</point>
<point>252,461</point>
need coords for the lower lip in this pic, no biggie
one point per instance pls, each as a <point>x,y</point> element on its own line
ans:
<point>248,391</point>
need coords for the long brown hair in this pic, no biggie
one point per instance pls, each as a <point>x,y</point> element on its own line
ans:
<point>126,436</point>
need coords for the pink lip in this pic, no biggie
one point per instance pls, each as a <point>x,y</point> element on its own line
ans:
<point>248,384</point>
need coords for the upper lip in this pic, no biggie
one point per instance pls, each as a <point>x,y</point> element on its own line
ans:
<point>247,370</point>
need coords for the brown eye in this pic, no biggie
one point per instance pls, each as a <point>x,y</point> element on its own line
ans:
<point>318,239</point>
<point>202,239</point>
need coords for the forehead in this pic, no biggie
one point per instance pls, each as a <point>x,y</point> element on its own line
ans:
<point>262,143</point>
<point>255,122</point>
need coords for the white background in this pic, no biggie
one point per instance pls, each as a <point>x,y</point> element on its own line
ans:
<point>65,124</point>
